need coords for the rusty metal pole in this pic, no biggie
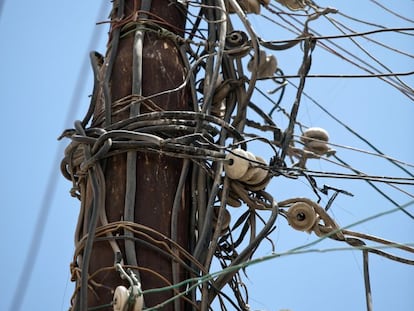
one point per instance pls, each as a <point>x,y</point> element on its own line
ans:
<point>155,177</point>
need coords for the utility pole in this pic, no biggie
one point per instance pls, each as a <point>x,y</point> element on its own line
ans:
<point>164,153</point>
<point>131,187</point>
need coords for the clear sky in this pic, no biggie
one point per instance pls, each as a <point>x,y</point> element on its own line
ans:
<point>44,86</point>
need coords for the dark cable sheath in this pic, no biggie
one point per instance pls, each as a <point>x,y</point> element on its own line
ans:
<point>368,295</point>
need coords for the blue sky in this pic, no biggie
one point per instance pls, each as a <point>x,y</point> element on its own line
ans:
<point>44,46</point>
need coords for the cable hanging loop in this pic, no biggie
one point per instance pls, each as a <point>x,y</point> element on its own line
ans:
<point>237,44</point>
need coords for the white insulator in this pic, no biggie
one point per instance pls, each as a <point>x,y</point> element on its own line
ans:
<point>237,44</point>
<point>250,157</point>
<point>120,299</point>
<point>267,65</point>
<point>244,166</point>
<point>255,175</point>
<point>259,175</point>
<point>315,140</point>
<point>315,133</point>
<point>251,62</point>
<point>236,164</point>
<point>301,216</point>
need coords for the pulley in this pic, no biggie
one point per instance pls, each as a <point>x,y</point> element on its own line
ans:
<point>301,216</point>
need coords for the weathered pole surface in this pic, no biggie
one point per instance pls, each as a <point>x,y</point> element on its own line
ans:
<point>157,175</point>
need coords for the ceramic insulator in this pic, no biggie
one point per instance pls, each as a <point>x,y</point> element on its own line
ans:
<point>301,216</point>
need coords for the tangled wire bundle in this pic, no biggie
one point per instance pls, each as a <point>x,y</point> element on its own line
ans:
<point>224,66</point>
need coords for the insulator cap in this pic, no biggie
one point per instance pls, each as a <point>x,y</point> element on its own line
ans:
<point>236,164</point>
<point>255,175</point>
<point>301,216</point>
<point>315,133</point>
<point>315,140</point>
<point>243,166</point>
